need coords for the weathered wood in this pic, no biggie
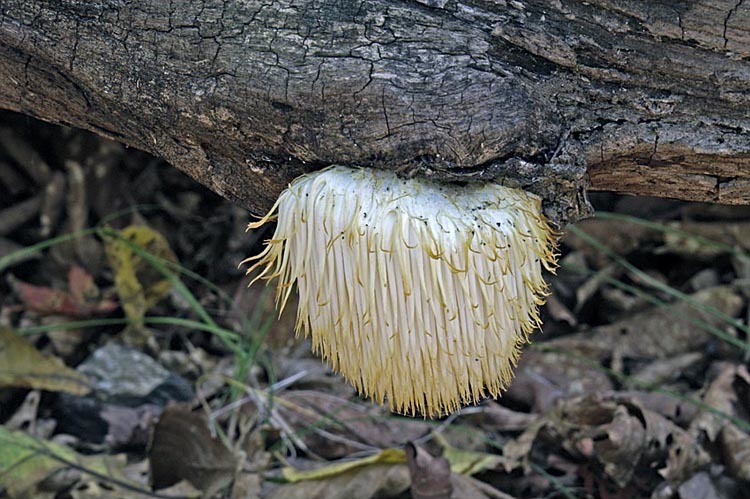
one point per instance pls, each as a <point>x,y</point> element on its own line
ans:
<point>645,97</point>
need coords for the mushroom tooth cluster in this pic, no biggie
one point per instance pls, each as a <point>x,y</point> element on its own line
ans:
<point>419,293</point>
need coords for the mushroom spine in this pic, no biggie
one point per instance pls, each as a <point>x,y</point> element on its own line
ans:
<point>420,293</point>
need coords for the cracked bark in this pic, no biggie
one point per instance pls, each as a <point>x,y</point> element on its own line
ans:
<point>555,96</point>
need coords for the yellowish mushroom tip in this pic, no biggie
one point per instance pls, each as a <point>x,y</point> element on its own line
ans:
<point>419,293</point>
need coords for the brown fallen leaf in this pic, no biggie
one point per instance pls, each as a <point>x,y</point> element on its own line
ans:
<point>667,443</point>
<point>723,395</point>
<point>735,445</point>
<point>621,450</point>
<point>497,417</point>
<point>82,299</point>
<point>247,486</point>
<point>22,365</point>
<point>662,371</point>
<point>624,438</point>
<point>603,431</point>
<point>720,396</point>
<point>430,476</point>
<point>183,448</point>
<point>675,409</point>
<point>468,487</point>
<point>657,332</point>
<point>542,377</point>
<point>335,427</point>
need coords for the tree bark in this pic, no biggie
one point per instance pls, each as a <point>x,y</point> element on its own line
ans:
<point>555,96</point>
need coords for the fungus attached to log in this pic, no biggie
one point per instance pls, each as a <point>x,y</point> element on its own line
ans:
<point>419,293</point>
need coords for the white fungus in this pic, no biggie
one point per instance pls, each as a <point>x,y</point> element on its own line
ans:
<point>420,293</point>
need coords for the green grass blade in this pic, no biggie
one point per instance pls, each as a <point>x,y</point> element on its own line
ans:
<point>655,283</point>
<point>661,227</point>
<point>668,308</point>
<point>18,255</point>
<point>161,267</point>
<point>226,335</point>
<point>556,483</point>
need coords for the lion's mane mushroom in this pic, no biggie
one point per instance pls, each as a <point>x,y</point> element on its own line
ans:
<point>418,292</point>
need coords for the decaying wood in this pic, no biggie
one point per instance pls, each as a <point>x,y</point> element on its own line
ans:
<point>633,96</point>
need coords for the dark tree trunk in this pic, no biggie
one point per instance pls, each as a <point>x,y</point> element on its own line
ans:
<point>632,96</point>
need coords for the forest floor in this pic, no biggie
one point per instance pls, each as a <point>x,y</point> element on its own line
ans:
<point>136,362</point>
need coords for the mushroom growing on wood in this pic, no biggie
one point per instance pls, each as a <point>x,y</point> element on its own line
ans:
<point>419,293</point>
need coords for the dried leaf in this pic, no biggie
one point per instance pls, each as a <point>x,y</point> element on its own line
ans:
<point>543,377</point>
<point>139,285</point>
<point>363,482</point>
<point>736,450</point>
<point>386,456</point>
<point>675,409</point>
<point>182,489</point>
<point>467,462</point>
<point>623,437</point>
<point>721,397</point>
<point>21,365</point>
<point>727,234</point>
<point>184,449</point>
<point>385,475</point>
<point>356,427</point>
<point>81,300</point>
<point>247,486</point>
<point>468,487</point>
<point>495,417</point>
<point>26,461</point>
<point>684,454</point>
<point>26,414</point>
<point>621,450</point>
<point>655,333</point>
<point>430,476</point>
<point>664,370</point>
<point>518,450</point>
